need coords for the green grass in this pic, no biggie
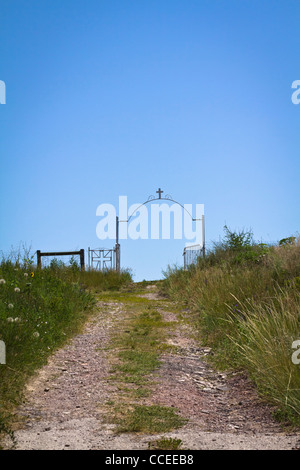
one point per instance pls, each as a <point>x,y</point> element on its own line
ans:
<point>165,443</point>
<point>136,347</point>
<point>149,419</point>
<point>91,279</point>
<point>139,345</point>
<point>264,340</point>
<point>247,300</point>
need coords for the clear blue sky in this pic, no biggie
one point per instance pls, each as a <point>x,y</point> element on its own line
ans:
<point>118,97</point>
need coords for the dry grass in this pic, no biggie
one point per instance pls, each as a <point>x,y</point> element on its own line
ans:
<point>248,305</point>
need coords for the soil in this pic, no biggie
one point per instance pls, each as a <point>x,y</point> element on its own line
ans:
<point>64,403</point>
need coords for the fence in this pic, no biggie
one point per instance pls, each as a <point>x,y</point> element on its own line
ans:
<point>191,254</point>
<point>39,255</point>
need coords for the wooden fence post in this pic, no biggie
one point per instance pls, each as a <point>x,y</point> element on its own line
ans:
<point>82,260</point>
<point>39,261</point>
<point>118,258</point>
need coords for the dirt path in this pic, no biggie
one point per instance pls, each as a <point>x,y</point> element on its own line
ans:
<point>65,402</point>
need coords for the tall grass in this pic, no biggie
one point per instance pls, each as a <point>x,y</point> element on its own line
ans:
<point>247,298</point>
<point>265,339</point>
<point>92,279</point>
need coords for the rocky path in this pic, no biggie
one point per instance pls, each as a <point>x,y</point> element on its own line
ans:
<point>65,402</point>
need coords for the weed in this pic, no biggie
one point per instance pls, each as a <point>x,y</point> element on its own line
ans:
<point>165,443</point>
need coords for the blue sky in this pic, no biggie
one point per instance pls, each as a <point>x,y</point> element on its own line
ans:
<point>119,97</point>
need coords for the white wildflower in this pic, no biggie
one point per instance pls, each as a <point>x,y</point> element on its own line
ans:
<point>10,306</point>
<point>36,334</point>
<point>17,289</point>
<point>10,320</point>
<point>2,281</point>
<point>25,274</point>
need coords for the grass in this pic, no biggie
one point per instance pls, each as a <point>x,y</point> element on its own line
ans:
<point>94,280</point>
<point>165,443</point>
<point>135,356</point>
<point>40,309</point>
<point>247,299</point>
<point>139,345</point>
<point>149,419</point>
<point>265,341</point>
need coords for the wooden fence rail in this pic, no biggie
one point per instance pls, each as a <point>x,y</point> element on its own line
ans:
<point>39,255</point>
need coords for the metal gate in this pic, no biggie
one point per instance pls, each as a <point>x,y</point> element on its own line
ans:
<point>191,254</point>
<point>103,259</point>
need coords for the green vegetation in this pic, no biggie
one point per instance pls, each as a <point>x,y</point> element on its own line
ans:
<point>247,296</point>
<point>149,419</point>
<point>139,346</point>
<point>135,351</point>
<point>91,279</point>
<point>165,443</point>
<point>40,309</point>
